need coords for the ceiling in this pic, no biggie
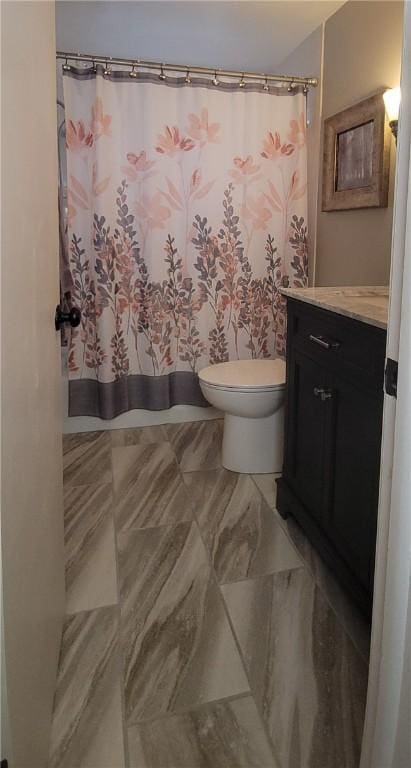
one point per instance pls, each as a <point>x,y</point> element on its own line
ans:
<point>239,35</point>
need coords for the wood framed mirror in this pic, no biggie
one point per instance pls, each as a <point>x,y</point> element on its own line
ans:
<point>357,157</point>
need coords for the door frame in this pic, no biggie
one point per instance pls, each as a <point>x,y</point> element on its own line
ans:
<point>32,542</point>
<point>386,728</point>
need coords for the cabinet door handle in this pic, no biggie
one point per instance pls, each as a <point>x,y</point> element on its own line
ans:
<point>322,342</point>
<point>323,392</point>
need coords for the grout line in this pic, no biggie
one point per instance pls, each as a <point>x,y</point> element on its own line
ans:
<point>191,424</point>
<point>317,581</point>
<point>90,610</point>
<point>136,530</point>
<point>279,519</point>
<point>251,692</point>
<point>119,632</point>
<point>259,576</point>
<point>192,708</point>
<point>203,469</point>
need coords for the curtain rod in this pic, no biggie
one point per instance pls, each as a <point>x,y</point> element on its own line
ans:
<point>187,69</point>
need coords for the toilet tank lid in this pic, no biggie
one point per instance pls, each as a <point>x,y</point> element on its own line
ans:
<point>245,373</point>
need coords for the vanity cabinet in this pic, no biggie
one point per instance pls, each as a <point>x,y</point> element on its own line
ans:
<point>333,425</point>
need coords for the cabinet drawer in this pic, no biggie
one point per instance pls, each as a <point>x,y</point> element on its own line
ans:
<point>336,339</point>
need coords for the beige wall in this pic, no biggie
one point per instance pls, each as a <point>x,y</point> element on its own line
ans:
<point>362,53</point>
<point>307,60</point>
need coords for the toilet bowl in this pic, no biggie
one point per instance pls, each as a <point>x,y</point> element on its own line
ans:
<point>251,395</point>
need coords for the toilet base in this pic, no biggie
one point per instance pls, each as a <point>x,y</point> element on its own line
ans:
<point>254,446</point>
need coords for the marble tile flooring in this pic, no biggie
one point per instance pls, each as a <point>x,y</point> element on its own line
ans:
<point>202,630</point>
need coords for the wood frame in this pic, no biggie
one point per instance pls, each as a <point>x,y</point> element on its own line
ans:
<point>374,195</point>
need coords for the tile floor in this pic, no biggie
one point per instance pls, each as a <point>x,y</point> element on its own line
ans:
<point>202,630</point>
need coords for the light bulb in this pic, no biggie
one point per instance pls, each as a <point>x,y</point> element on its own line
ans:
<point>392,99</point>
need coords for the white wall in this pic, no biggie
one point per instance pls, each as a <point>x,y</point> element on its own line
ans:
<point>254,36</point>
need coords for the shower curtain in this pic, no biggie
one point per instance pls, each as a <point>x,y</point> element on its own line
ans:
<point>186,215</point>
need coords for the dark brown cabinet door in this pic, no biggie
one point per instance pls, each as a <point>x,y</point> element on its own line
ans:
<point>306,431</point>
<point>334,398</point>
<point>355,434</point>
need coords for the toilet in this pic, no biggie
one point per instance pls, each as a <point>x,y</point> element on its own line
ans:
<point>251,395</point>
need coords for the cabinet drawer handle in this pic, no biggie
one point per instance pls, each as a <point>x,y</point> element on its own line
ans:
<point>323,393</point>
<point>322,342</point>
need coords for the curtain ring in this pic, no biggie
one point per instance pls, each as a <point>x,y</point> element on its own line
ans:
<point>187,78</point>
<point>290,87</point>
<point>107,69</point>
<point>241,84</point>
<point>305,89</point>
<point>162,75</point>
<point>215,79</point>
<point>266,86</point>
<point>94,68</point>
<point>66,67</point>
<point>133,72</point>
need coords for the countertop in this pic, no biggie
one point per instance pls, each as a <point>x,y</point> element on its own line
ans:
<point>369,304</point>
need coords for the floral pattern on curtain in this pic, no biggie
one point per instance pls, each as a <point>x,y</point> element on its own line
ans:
<point>186,215</point>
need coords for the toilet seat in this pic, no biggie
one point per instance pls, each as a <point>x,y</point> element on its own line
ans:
<point>245,375</point>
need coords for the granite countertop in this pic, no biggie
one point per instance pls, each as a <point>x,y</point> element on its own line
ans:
<point>369,304</point>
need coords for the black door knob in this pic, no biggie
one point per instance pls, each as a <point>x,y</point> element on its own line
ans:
<point>73,317</point>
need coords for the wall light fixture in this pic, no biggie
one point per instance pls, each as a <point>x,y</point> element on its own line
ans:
<point>392,99</point>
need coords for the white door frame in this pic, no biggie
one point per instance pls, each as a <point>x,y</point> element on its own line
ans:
<point>386,738</point>
<point>32,536</point>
